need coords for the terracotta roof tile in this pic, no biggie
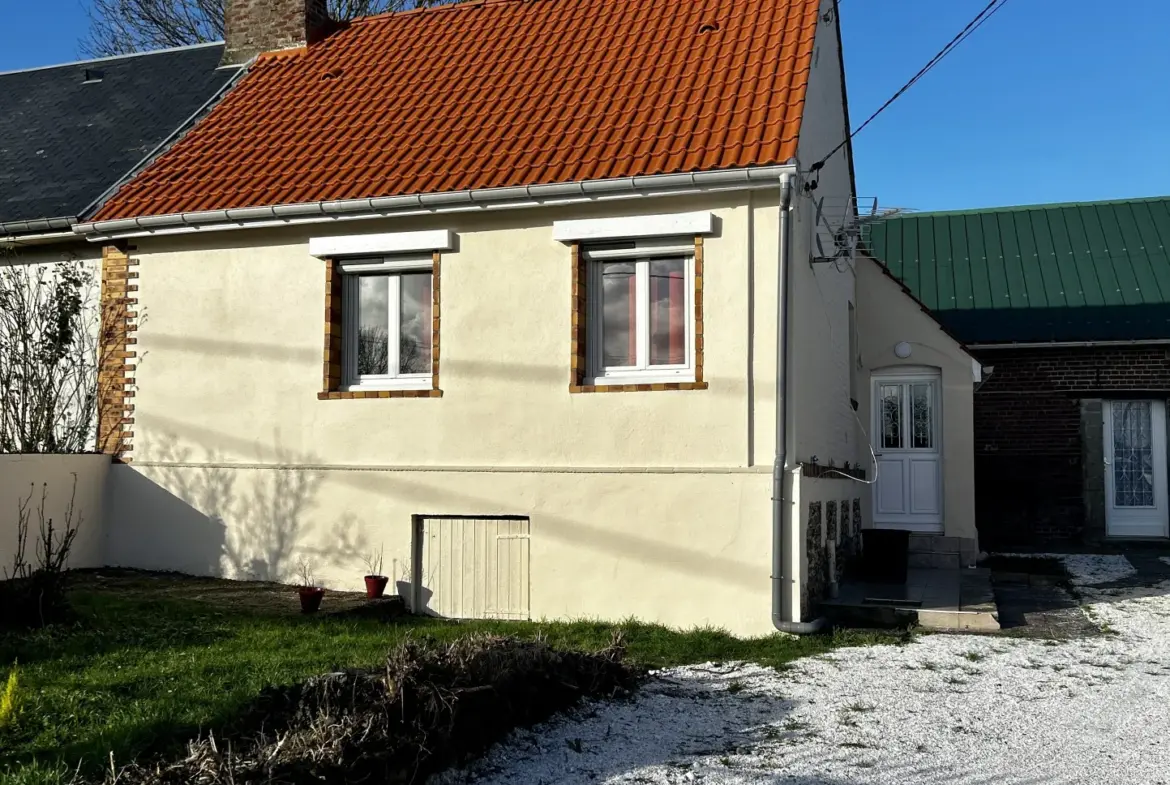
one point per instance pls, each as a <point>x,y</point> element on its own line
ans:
<point>497,93</point>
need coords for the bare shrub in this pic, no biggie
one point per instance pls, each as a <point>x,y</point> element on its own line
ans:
<point>431,707</point>
<point>33,593</point>
<point>49,339</point>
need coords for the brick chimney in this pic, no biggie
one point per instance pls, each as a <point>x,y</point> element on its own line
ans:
<point>254,26</point>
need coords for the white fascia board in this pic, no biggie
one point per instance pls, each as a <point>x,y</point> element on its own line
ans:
<point>376,244</point>
<point>976,371</point>
<point>634,226</point>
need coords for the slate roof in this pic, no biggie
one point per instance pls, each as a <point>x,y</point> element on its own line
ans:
<point>497,93</point>
<point>64,142</point>
<point>1087,271</point>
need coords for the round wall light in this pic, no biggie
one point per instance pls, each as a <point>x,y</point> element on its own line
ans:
<point>902,350</point>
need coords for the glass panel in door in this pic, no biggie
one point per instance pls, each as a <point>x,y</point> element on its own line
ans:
<point>922,416</point>
<point>1132,454</point>
<point>891,414</point>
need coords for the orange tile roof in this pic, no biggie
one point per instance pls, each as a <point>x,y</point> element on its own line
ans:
<point>496,93</point>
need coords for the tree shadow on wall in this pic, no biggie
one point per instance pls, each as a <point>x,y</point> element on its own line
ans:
<point>193,513</point>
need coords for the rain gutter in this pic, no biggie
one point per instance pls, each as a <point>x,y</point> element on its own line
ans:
<point>37,225</point>
<point>45,238</point>
<point>438,203</point>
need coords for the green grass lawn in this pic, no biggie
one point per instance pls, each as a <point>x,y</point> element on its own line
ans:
<point>154,662</point>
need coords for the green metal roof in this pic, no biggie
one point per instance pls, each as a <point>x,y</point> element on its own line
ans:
<point>1085,271</point>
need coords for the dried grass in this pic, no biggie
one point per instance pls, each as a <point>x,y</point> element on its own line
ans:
<point>433,706</point>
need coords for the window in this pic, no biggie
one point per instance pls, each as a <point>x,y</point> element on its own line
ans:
<point>387,324</point>
<point>640,312</point>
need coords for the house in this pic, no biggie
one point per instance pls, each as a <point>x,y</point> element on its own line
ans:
<point>538,300</point>
<point>69,135</point>
<point>1067,306</point>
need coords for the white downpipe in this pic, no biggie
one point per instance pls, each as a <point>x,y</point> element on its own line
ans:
<point>786,546</point>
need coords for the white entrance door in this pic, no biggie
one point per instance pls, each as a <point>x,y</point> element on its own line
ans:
<point>1135,468</point>
<point>906,428</point>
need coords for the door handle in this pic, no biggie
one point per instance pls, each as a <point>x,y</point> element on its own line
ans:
<point>877,455</point>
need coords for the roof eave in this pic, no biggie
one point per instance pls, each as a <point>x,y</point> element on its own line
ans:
<point>1068,344</point>
<point>550,195</point>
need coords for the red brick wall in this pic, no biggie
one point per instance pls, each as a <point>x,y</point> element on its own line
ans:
<point>1029,465</point>
<point>254,26</point>
<point>117,352</point>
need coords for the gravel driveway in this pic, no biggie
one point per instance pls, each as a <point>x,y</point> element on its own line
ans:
<point>945,709</point>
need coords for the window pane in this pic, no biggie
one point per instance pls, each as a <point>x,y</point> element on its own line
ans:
<point>922,414</point>
<point>668,318</point>
<point>373,325</point>
<point>618,332</point>
<point>891,403</point>
<point>1133,454</point>
<point>414,346</point>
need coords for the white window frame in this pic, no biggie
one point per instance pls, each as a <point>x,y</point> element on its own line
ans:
<point>351,271</point>
<point>641,252</point>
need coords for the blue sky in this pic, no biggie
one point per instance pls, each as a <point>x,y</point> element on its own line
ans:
<point>1050,101</point>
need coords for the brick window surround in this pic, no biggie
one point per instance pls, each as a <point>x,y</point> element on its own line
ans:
<point>577,358</point>
<point>335,345</point>
<point>116,352</point>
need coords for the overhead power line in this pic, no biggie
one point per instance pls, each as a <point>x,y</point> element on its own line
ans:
<point>988,11</point>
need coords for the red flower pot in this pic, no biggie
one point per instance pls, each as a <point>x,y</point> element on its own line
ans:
<point>376,586</point>
<point>310,599</point>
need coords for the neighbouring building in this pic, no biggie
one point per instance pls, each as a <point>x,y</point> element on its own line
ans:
<point>69,136</point>
<point>1067,306</point>
<point>544,302</point>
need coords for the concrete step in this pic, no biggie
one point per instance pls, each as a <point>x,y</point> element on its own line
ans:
<point>955,548</point>
<point>934,561</point>
<point>951,598</point>
<point>889,617</point>
<point>934,543</point>
<point>971,621</point>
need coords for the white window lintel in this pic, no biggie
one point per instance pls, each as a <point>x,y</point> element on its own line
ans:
<point>374,244</point>
<point>634,226</point>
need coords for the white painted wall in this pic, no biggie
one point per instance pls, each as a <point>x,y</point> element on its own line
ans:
<point>47,483</point>
<point>886,315</point>
<point>824,427</point>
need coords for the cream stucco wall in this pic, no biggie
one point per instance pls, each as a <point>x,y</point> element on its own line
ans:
<point>886,315</point>
<point>679,548</point>
<point>648,504</point>
<point>48,484</point>
<point>825,427</point>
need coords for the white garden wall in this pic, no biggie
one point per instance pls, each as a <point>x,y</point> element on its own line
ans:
<point>51,482</point>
